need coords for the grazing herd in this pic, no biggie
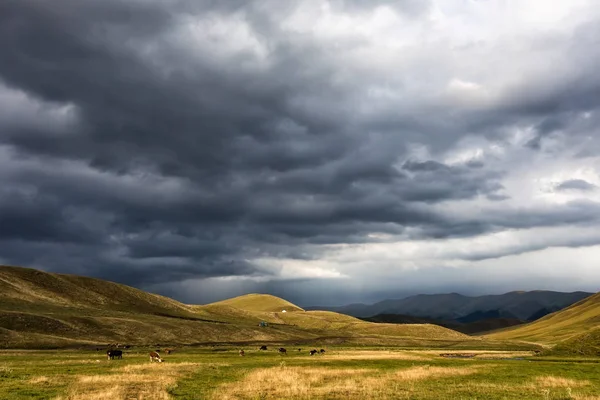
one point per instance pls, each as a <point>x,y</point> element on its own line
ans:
<point>283,350</point>
<point>112,353</point>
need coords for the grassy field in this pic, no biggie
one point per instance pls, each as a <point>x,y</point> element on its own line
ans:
<point>72,316</point>
<point>218,372</point>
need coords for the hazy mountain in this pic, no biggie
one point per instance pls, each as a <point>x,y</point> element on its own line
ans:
<point>453,306</point>
<point>475,323</point>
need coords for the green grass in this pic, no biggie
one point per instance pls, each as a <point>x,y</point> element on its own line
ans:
<point>343,372</point>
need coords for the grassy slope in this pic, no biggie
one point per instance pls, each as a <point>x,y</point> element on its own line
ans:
<point>260,302</point>
<point>580,318</point>
<point>585,344</point>
<point>39,309</point>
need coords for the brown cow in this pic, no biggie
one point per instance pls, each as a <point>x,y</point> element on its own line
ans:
<point>154,356</point>
<point>242,353</point>
<point>282,351</point>
<point>263,347</point>
<point>322,351</point>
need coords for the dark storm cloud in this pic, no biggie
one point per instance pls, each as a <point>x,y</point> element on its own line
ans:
<point>174,154</point>
<point>410,7</point>
<point>576,184</point>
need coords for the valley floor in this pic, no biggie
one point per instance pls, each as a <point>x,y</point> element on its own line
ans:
<point>340,373</point>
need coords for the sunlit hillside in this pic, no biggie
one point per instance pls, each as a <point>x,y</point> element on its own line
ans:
<point>578,319</point>
<point>260,302</point>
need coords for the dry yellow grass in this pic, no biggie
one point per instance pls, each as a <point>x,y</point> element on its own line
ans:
<point>424,372</point>
<point>331,383</point>
<point>43,380</point>
<point>374,355</point>
<point>483,354</point>
<point>559,382</point>
<point>140,382</point>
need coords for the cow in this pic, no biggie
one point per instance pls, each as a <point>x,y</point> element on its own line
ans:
<point>169,351</point>
<point>313,352</point>
<point>299,349</point>
<point>282,351</point>
<point>154,356</point>
<point>322,351</point>
<point>112,354</point>
<point>263,347</point>
<point>242,353</point>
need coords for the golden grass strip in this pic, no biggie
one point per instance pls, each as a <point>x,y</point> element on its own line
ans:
<point>139,381</point>
<point>373,355</point>
<point>559,382</point>
<point>332,383</point>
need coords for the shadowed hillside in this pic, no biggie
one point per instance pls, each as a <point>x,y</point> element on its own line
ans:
<point>39,309</point>
<point>578,319</point>
<point>477,326</point>
<point>526,306</point>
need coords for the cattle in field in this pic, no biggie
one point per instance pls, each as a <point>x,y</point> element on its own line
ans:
<point>112,354</point>
<point>154,356</point>
<point>263,347</point>
<point>242,353</point>
<point>322,351</point>
<point>282,351</point>
<point>169,351</point>
<point>313,352</point>
<point>299,349</point>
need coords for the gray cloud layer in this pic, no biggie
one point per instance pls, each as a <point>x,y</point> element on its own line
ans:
<point>158,142</point>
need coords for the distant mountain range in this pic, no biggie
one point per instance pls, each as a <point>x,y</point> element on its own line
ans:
<point>469,314</point>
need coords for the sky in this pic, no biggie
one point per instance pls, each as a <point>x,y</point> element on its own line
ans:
<point>325,151</point>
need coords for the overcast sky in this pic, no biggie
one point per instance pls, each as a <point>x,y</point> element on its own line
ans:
<point>325,151</point>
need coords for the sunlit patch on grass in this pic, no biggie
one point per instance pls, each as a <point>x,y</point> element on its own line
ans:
<point>139,381</point>
<point>373,355</point>
<point>331,383</point>
<point>557,381</point>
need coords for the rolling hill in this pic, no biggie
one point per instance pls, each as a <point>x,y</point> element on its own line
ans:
<point>572,323</point>
<point>47,310</point>
<point>583,344</point>
<point>260,302</point>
